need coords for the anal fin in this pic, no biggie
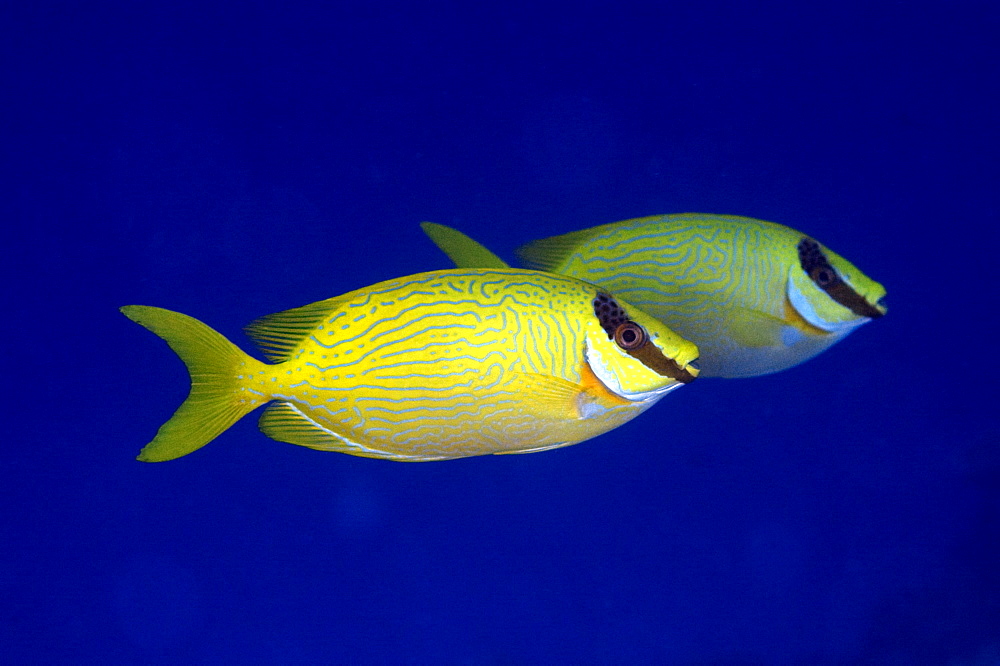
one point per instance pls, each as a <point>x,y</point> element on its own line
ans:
<point>538,449</point>
<point>284,422</point>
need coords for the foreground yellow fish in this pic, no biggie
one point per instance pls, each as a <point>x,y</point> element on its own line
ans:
<point>755,296</point>
<point>434,366</point>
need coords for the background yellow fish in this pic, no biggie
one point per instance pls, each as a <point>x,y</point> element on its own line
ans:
<point>756,297</point>
<point>439,365</point>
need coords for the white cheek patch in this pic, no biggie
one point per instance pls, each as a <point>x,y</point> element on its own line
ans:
<point>610,380</point>
<point>805,308</point>
<point>602,372</point>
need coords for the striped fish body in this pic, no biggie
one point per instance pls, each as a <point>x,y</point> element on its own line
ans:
<point>735,286</point>
<point>444,365</point>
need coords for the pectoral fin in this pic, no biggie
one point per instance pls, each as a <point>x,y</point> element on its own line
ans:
<point>550,397</point>
<point>562,398</point>
<point>755,329</point>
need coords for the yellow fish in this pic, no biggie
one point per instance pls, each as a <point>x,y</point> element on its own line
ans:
<point>755,296</point>
<point>433,366</point>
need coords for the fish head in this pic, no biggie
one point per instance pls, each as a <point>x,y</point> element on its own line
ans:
<point>636,356</point>
<point>830,292</point>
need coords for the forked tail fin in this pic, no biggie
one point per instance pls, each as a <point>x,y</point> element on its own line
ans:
<point>214,364</point>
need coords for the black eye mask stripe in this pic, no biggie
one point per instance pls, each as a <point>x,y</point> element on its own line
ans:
<point>819,270</point>
<point>612,316</point>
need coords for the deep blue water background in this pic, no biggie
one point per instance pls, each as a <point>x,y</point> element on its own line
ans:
<point>234,160</point>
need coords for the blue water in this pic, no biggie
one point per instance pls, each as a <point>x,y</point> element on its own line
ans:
<point>239,159</point>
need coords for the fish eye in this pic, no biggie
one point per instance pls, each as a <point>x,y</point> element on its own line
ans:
<point>630,335</point>
<point>823,276</point>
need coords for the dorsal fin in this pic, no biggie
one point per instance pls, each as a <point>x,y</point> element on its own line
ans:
<point>550,254</point>
<point>278,335</point>
<point>464,251</point>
